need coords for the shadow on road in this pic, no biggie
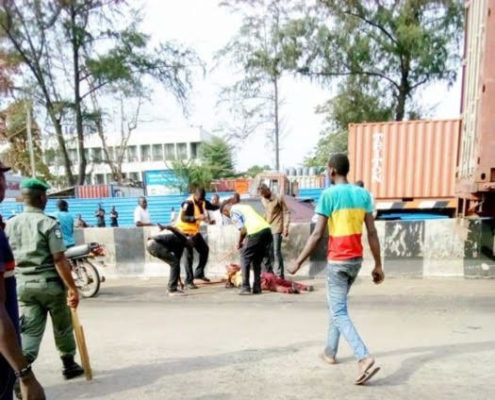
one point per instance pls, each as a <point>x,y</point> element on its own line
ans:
<point>427,353</point>
<point>136,376</point>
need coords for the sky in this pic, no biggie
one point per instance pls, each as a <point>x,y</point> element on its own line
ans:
<point>207,27</point>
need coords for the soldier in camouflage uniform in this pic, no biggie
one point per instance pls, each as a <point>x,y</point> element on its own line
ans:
<point>42,271</point>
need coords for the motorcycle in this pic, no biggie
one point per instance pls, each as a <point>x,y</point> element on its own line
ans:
<point>84,271</point>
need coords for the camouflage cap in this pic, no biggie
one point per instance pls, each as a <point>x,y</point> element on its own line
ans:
<point>34,184</point>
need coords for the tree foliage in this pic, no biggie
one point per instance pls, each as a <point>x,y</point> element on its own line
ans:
<point>75,52</point>
<point>13,131</point>
<point>254,101</point>
<point>216,156</point>
<point>255,170</point>
<point>397,45</point>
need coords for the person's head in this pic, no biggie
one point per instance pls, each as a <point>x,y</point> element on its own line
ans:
<point>3,181</point>
<point>100,206</point>
<point>79,216</point>
<point>338,167</point>
<point>236,198</point>
<point>360,184</point>
<point>173,209</point>
<point>265,191</point>
<point>113,208</point>
<point>215,199</point>
<point>199,195</point>
<point>34,192</point>
<point>143,203</point>
<point>62,205</point>
<point>225,208</point>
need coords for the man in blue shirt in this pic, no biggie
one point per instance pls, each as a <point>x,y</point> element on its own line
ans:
<point>66,222</point>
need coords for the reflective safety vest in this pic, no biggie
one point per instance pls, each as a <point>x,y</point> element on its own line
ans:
<point>189,228</point>
<point>253,222</point>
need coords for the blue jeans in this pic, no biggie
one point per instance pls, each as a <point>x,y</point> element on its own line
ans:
<point>339,280</point>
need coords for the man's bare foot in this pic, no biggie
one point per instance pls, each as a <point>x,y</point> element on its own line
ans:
<point>329,359</point>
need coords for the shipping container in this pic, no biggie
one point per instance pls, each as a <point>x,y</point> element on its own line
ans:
<point>476,162</point>
<point>405,160</point>
<point>104,191</point>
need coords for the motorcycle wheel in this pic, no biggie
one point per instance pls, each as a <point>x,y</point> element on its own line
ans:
<point>89,273</point>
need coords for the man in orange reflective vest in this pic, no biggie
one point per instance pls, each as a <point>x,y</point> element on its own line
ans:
<point>192,213</point>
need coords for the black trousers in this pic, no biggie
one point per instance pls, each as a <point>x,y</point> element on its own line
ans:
<point>256,248</point>
<point>203,250</point>
<point>169,251</point>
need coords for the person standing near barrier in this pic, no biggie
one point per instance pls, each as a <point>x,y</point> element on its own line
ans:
<point>141,213</point>
<point>13,364</point>
<point>257,232</point>
<point>169,248</point>
<point>194,211</point>
<point>344,208</point>
<point>278,216</point>
<point>100,216</point>
<point>42,271</point>
<point>114,218</point>
<point>66,223</point>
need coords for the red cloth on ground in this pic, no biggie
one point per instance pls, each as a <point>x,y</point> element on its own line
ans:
<point>271,282</point>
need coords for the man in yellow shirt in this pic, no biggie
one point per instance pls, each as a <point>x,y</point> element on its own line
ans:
<point>257,232</point>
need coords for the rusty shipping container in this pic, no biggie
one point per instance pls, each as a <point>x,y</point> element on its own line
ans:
<point>476,162</point>
<point>406,160</point>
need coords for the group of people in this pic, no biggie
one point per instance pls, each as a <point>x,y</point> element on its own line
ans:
<point>260,236</point>
<point>45,284</point>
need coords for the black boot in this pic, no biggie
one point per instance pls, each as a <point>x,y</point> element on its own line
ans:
<point>71,368</point>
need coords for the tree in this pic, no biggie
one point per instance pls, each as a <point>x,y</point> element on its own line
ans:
<point>254,100</point>
<point>357,100</point>
<point>190,176</point>
<point>256,169</point>
<point>398,45</point>
<point>77,51</point>
<point>216,156</point>
<point>13,132</point>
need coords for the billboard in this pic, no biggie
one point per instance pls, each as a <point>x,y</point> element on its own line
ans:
<point>13,189</point>
<point>163,182</point>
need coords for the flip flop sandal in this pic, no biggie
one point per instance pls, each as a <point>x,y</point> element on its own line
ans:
<point>367,375</point>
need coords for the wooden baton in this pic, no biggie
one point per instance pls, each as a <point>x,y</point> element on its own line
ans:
<point>81,344</point>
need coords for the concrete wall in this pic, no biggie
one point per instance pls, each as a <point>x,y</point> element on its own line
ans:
<point>432,248</point>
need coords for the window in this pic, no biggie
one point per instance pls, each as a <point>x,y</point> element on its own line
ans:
<point>99,179</point>
<point>86,155</point>
<point>134,176</point>
<point>132,155</point>
<point>157,151</point>
<point>97,155</point>
<point>182,151</point>
<point>170,151</point>
<point>194,150</point>
<point>109,178</point>
<point>146,152</point>
<point>111,153</point>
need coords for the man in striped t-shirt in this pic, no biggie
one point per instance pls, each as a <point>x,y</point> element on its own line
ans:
<point>344,208</point>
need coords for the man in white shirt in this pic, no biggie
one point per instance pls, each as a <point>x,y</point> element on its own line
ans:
<point>141,213</point>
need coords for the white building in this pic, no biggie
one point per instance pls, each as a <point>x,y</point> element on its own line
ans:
<point>146,151</point>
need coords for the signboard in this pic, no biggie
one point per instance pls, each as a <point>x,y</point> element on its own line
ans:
<point>163,182</point>
<point>13,189</point>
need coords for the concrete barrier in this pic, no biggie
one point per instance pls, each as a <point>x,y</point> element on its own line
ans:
<point>431,248</point>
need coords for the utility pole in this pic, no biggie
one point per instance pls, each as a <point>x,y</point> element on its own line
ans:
<point>30,138</point>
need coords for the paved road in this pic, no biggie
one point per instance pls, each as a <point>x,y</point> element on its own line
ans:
<point>433,338</point>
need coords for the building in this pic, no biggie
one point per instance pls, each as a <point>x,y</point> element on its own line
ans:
<point>146,151</point>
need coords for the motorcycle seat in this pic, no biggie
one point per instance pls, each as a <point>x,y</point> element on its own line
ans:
<point>78,251</point>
